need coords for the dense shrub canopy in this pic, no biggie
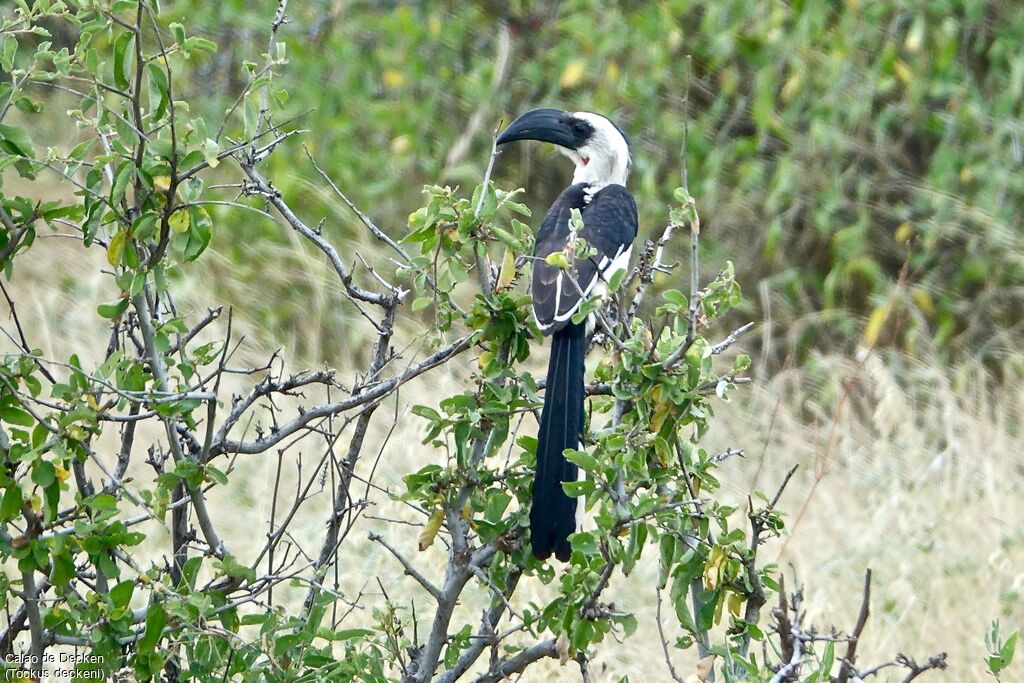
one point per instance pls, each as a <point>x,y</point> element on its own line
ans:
<point>833,146</point>
<point>856,168</point>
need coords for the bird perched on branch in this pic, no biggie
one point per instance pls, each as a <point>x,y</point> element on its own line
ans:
<point>564,276</point>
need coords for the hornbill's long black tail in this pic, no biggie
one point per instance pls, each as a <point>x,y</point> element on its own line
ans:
<point>553,514</point>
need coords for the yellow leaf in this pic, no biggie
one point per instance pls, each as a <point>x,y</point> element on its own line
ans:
<point>434,25</point>
<point>792,86</point>
<point>115,247</point>
<point>78,432</point>
<point>91,400</point>
<point>485,359</point>
<point>400,145</point>
<point>713,568</point>
<point>557,259</point>
<point>612,72</point>
<point>675,39</point>
<point>735,602</point>
<point>162,182</point>
<point>923,299</point>
<point>573,74</point>
<point>393,79</point>
<point>429,532</point>
<point>61,473</point>
<point>728,79</point>
<point>876,322</point>
<point>179,221</point>
<point>903,232</point>
<point>903,71</point>
<point>508,270</point>
<point>659,414</point>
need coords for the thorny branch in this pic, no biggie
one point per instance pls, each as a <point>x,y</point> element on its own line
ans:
<point>796,642</point>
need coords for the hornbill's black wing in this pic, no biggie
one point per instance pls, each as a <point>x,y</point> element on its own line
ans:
<point>610,225</point>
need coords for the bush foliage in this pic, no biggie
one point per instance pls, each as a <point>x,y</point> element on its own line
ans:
<point>172,132</point>
<point>860,160</point>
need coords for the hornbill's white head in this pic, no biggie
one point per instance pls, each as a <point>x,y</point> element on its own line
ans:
<point>597,147</point>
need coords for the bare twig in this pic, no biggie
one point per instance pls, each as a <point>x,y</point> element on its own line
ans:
<point>483,266</point>
<point>519,661</point>
<point>409,569</point>
<point>265,189</point>
<point>372,394</point>
<point>862,618</point>
<point>661,636</point>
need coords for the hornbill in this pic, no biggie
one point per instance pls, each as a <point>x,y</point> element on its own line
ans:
<point>600,151</point>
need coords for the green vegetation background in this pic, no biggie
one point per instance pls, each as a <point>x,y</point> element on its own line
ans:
<point>832,146</point>
<point>860,161</point>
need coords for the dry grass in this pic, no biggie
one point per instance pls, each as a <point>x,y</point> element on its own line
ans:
<point>916,474</point>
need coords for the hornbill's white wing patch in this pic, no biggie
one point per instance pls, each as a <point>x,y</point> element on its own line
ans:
<point>609,227</point>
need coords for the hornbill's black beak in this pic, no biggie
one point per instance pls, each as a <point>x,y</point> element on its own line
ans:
<point>546,125</point>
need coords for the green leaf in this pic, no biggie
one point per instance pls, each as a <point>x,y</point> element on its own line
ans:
<point>156,619</point>
<point>121,594</point>
<point>583,459</point>
<point>232,567</point>
<point>201,44</point>
<point>10,506</point>
<point>350,633</point>
<point>828,659</point>
<point>179,33</point>
<point>107,565</point>
<point>123,176</point>
<point>112,309</point>
<point>27,106</point>
<point>497,503</point>
<point>1006,652</point>
<point>199,234</point>
<point>674,296</point>
<point>101,502</point>
<point>43,473</point>
<point>63,569</point>
<point>421,302</point>
<point>210,151</point>
<point>215,475</point>
<point>741,363</point>
<point>190,570</point>
<point>16,416</point>
<point>122,59</point>
<point>158,89</point>
<point>426,413</point>
<point>508,239</point>
<point>8,47</point>
<point>617,278</point>
<point>578,488</point>
<point>14,140</point>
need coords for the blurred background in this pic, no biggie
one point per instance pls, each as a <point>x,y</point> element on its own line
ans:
<point>860,162</point>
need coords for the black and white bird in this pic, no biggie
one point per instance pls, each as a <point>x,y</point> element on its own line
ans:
<point>600,151</point>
